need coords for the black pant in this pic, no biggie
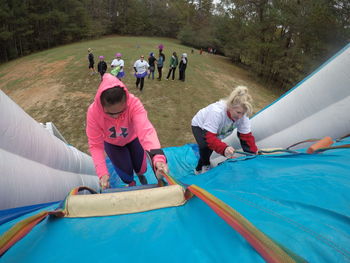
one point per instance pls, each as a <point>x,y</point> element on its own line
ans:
<point>171,70</point>
<point>182,74</point>
<point>160,72</point>
<point>102,73</point>
<point>138,80</point>
<point>204,151</point>
<point>151,72</point>
<point>127,159</point>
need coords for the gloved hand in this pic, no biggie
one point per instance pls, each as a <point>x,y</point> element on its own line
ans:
<point>229,152</point>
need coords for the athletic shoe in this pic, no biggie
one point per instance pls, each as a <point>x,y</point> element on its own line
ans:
<point>143,179</point>
<point>197,172</point>
<point>205,168</point>
<point>133,183</point>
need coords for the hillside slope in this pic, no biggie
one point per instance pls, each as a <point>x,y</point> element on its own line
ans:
<point>55,85</point>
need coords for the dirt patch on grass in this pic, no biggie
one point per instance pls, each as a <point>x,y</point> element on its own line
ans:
<point>79,95</point>
<point>35,68</point>
<point>22,69</point>
<point>224,82</point>
<point>38,84</point>
<point>53,69</point>
<point>37,95</point>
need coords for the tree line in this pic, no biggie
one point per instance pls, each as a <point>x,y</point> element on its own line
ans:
<point>279,40</point>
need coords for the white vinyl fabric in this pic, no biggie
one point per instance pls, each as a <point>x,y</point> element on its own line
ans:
<point>318,106</point>
<point>25,182</point>
<point>33,161</point>
<point>22,135</point>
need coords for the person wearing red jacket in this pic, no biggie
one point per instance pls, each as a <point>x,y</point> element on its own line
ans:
<point>218,120</point>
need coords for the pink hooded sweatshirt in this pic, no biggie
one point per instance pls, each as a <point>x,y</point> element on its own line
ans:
<point>131,123</point>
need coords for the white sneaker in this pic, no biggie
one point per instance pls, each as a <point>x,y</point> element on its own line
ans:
<point>197,172</point>
<point>205,168</point>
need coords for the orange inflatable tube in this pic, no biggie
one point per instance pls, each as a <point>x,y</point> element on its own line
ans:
<point>323,143</point>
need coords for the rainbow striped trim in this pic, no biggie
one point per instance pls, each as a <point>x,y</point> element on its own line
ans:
<point>22,228</point>
<point>265,246</point>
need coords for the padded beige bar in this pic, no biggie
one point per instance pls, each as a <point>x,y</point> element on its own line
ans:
<point>124,202</point>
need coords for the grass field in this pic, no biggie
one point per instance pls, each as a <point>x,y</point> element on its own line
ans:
<point>55,85</point>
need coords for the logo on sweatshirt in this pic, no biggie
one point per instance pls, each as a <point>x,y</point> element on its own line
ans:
<point>114,134</point>
<point>227,130</point>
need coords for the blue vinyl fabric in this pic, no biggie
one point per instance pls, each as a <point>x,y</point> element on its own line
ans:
<point>10,214</point>
<point>301,201</point>
<point>115,180</point>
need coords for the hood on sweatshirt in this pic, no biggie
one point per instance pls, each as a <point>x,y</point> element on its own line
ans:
<point>108,81</point>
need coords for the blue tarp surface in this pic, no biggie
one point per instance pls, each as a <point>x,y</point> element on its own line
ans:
<point>301,201</point>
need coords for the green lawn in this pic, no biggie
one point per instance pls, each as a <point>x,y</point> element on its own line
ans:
<point>55,85</point>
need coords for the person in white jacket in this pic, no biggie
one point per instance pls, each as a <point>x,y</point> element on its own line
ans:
<point>117,66</point>
<point>218,120</point>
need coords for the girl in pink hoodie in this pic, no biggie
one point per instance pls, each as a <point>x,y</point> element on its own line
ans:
<point>117,124</point>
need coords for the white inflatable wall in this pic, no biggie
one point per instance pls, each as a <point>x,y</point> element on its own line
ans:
<point>318,106</point>
<point>36,166</point>
<point>26,182</point>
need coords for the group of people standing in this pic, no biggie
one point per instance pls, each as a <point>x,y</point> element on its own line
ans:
<point>142,67</point>
<point>174,62</point>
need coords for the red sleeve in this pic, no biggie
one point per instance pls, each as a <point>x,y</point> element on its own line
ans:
<point>214,143</point>
<point>247,142</point>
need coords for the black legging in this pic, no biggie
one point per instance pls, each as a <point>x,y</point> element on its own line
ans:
<point>204,151</point>
<point>171,70</point>
<point>127,159</point>
<point>160,72</point>
<point>138,80</point>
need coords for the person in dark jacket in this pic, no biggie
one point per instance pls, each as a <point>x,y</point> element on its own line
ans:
<point>182,67</point>
<point>173,65</point>
<point>91,62</point>
<point>160,64</point>
<point>151,61</point>
<point>102,66</point>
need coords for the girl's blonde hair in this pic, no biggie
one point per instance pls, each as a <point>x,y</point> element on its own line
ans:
<point>240,97</point>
